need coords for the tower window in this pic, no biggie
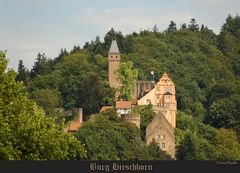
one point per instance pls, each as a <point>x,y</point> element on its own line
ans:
<point>111,56</point>
<point>162,137</point>
<point>163,145</point>
<point>116,56</point>
<point>148,101</point>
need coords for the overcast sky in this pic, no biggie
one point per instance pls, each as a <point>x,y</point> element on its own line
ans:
<point>31,26</point>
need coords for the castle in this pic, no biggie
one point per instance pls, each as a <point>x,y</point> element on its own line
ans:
<point>161,95</point>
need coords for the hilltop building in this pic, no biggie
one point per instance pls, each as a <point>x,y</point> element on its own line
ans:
<point>113,63</point>
<point>123,107</point>
<point>163,98</point>
<point>161,95</point>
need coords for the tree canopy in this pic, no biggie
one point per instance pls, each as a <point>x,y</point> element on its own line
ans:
<point>25,133</point>
<point>204,66</point>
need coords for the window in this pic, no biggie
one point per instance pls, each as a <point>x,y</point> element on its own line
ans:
<point>158,97</point>
<point>111,56</point>
<point>167,89</point>
<point>157,88</point>
<point>162,137</point>
<point>163,145</point>
<point>167,96</point>
<point>116,56</point>
<point>167,105</point>
<point>148,101</point>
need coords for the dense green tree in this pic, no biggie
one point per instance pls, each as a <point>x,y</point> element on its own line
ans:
<point>155,29</point>
<point>172,26</point>
<point>76,48</point>
<point>22,74</point>
<point>62,54</point>
<point>114,35</point>
<point>232,25</point>
<point>92,98</point>
<point>48,99</point>
<point>146,114</point>
<point>42,66</point>
<point>184,26</point>
<point>228,42</point>
<point>225,112</point>
<point>203,65</point>
<point>193,26</point>
<point>227,146</point>
<point>25,134</point>
<point>71,71</point>
<point>127,77</point>
<point>107,137</point>
<point>194,148</point>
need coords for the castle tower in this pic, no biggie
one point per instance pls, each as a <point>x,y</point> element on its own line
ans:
<point>113,63</point>
<point>166,97</point>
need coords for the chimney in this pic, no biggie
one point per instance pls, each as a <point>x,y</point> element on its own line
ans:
<point>79,112</point>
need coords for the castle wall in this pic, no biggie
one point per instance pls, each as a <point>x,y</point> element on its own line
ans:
<point>135,119</point>
<point>162,132</point>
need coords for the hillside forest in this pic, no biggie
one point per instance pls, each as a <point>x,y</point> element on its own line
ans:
<point>204,66</point>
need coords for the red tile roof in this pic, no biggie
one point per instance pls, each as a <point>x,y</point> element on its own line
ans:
<point>74,126</point>
<point>104,108</point>
<point>123,104</point>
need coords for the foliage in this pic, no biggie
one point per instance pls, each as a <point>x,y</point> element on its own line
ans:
<point>25,134</point>
<point>127,76</point>
<point>48,99</point>
<point>197,141</point>
<point>107,137</point>
<point>204,66</point>
<point>22,74</point>
<point>172,27</point>
<point>146,115</point>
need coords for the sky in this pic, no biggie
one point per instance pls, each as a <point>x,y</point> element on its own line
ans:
<point>28,27</point>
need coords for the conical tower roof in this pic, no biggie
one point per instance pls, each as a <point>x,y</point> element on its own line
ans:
<point>114,47</point>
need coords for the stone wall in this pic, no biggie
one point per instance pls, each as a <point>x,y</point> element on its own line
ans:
<point>135,119</point>
<point>163,133</point>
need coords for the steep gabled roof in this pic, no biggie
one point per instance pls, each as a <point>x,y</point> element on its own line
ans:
<point>114,47</point>
<point>165,80</point>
